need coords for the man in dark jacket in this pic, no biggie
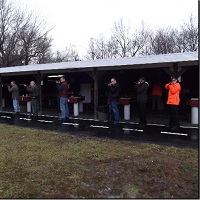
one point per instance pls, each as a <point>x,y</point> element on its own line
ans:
<point>62,86</point>
<point>113,96</point>
<point>141,88</point>
<point>33,93</point>
<point>15,96</point>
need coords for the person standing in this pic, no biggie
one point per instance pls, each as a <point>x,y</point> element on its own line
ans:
<point>113,96</point>
<point>173,101</point>
<point>33,93</point>
<point>62,87</point>
<point>15,96</point>
<point>157,95</point>
<point>141,88</point>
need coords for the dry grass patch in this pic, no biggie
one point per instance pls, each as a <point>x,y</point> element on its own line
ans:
<point>44,164</point>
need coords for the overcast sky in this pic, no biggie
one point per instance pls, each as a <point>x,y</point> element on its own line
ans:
<point>76,21</point>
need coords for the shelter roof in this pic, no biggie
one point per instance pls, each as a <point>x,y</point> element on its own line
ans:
<point>150,61</point>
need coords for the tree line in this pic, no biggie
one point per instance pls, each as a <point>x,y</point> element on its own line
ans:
<point>25,39</point>
<point>126,43</point>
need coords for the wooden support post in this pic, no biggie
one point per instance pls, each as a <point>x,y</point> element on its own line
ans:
<point>183,70</point>
<point>39,78</point>
<point>96,92</point>
<point>95,76</point>
<point>168,71</point>
<point>175,69</point>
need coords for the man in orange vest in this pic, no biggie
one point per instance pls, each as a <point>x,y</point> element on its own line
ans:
<point>173,102</point>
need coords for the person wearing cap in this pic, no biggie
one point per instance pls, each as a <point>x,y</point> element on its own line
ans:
<point>173,101</point>
<point>141,88</point>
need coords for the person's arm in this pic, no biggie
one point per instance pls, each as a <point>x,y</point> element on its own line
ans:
<point>12,89</point>
<point>167,86</point>
<point>60,86</point>
<point>174,88</point>
<point>136,85</point>
<point>29,89</point>
<point>115,90</point>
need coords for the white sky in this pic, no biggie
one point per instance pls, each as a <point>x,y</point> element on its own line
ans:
<point>76,21</point>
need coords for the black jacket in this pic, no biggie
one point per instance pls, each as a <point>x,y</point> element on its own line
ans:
<point>114,92</point>
<point>141,90</point>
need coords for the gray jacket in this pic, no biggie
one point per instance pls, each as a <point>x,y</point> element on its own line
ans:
<point>33,91</point>
<point>15,91</point>
<point>142,92</point>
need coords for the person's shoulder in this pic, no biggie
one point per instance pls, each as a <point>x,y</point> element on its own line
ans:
<point>146,83</point>
<point>177,83</point>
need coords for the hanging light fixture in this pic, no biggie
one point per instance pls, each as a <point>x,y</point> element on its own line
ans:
<point>55,76</point>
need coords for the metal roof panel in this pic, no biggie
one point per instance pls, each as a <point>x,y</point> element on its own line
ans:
<point>87,64</point>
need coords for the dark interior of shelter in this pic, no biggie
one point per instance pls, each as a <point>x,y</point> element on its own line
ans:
<point>126,78</point>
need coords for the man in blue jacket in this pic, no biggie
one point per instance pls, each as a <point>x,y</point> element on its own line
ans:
<point>113,96</point>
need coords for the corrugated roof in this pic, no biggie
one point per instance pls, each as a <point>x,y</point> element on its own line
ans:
<point>102,63</point>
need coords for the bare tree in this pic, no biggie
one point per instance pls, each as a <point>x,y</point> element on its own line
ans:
<point>92,50</point>
<point>22,36</point>
<point>120,44</point>
<point>121,33</point>
<point>112,47</point>
<point>163,41</point>
<point>169,40</point>
<point>187,37</point>
<point>69,54</point>
<point>100,48</point>
<point>139,40</point>
<point>34,40</point>
<point>126,43</point>
<point>8,33</point>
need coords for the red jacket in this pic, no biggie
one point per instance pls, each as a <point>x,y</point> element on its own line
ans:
<point>173,94</point>
<point>63,89</point>
<point>157,89</point>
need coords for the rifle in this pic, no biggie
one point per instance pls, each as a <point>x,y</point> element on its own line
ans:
<point>54,81</point>
<point>23,84</point>
<point>7,84</point>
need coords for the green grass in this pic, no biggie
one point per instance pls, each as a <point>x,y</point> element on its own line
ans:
<point>44,164</point>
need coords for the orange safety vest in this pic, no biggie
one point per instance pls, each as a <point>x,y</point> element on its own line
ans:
<point>173,94</point>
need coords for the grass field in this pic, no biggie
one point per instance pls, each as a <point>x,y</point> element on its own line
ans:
<point>44,164</point>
